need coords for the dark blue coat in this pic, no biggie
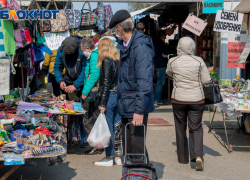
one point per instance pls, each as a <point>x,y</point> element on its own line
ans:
<point>135,77</point>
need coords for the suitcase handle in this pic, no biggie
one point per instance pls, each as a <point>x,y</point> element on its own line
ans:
<point>136,175</point>
<point>126,154</point>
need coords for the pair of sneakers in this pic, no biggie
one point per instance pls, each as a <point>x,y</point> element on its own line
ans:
<point>109,162</point>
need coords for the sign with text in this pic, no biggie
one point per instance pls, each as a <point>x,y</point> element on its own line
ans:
<point>245,53</point>
<point>54,40</point>
<point>194,24</point>
<point>211,6</point>
<point>4,76</point>
<point>242,37</point>
<point>228,22</point>
<point>234,50</point>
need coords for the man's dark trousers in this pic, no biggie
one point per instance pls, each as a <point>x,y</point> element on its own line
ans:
<point>135,139</point>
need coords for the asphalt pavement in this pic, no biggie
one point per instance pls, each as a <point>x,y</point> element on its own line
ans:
<point>161,145</point>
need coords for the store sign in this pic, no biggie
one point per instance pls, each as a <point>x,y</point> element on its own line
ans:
<point>228,22</point>
<point>234,51</point>
<point>54,40</point>
<point>242,37</point>
<point>245,53</point>
<point>194,24</point>
<point>4,76</point>
<point>211,6</point>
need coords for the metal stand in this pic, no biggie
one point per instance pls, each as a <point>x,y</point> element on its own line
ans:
<point>228,144</point>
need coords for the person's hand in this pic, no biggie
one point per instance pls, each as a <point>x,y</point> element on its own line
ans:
<point>137,120</point>
<point>70,89</point>
<point>84,97</point>
<point>62,85</point>
<point>102,109</point>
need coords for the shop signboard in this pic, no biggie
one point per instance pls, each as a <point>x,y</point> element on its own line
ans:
<point>194,24</point>
<point>211,6</point>
<point>228,22</point>
<point>4,76</point>
<point>236,44</point>
<point>245,53</point>
<point>54,40</point>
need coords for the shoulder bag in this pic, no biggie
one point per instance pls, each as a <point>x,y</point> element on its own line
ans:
<point>212,94</point>
<point>88,18</point>
<point>73,17</point>
<point>60,24</point>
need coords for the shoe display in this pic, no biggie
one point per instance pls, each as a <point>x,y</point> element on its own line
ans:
<point>105,162</point>
<point>118,161</point>
<point>199,164</point>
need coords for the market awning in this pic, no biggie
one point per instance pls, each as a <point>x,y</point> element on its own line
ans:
<point>243,7</point>
<point>140,11</point>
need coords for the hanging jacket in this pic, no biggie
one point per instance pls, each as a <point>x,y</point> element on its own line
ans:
<point>135,76</point>
<point>108,79</point>
<point>92,73</point>
<point>49,60</point>
<point>189,72</point>
<point>75,68</point>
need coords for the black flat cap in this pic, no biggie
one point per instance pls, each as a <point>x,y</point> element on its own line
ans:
<point>119,17</point>
<point>69,44</point>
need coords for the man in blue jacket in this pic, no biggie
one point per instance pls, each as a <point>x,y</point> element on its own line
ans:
<point>135,82</point>
<point>70,57</point>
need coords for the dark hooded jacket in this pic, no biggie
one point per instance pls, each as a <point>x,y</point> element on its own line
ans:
<point>135,77</point>
<point>75,67</point>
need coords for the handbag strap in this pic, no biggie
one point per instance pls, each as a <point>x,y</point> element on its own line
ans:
<point>86,9</point>
<point>47,7</point>
<point>36,5</point>
<point>72,7</point>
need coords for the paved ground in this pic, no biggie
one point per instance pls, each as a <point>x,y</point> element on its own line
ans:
<point>161,144</point>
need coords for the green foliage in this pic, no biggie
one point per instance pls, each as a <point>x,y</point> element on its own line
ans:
<point>137,6</point>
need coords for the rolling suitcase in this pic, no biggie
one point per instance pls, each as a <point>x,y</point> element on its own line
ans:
<point>137,171</point>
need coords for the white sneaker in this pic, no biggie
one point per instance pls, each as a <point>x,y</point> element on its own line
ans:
<point>118,161</point>
<point>105,162</point>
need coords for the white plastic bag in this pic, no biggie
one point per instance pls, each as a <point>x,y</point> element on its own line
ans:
<point>99,136</point>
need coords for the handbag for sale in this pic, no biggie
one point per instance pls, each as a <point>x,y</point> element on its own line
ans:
<point>73,17</point>
<point>11,4</point>
<point>88,18</point>
<point>60,24</point>
<point>212,94</point>
<point>108,16</point>
<point>100,12</point>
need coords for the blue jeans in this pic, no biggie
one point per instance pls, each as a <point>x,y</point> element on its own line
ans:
<point>161,76</point>
<point>112,117</point>
<point>83,132</point>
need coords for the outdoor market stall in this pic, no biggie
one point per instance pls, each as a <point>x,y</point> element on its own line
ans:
<point>33,122</point>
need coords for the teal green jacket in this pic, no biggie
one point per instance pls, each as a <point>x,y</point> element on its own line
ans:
<point>92,74</point>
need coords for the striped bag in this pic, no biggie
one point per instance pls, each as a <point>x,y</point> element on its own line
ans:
<point>2,50</point>
<point>88,18</point>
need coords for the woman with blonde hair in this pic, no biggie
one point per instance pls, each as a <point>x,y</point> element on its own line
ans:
<point>108,62</point>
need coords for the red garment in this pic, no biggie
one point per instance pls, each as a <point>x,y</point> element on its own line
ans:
<point>27,34</point>
<point>95,41</point>
<point>43,130</point>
